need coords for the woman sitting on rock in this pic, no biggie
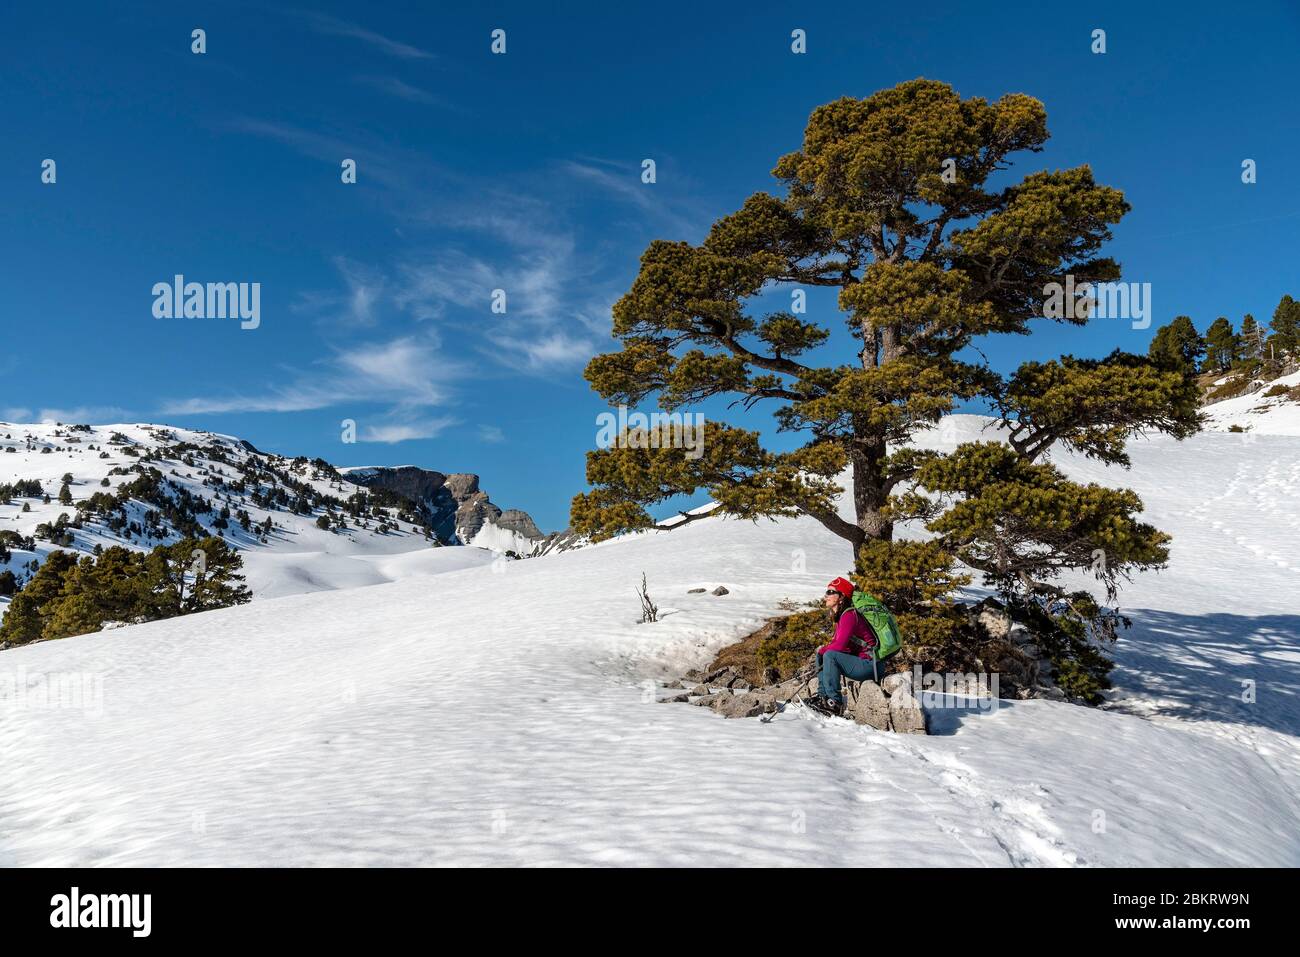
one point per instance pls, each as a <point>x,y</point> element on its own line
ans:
<point>851,653</point>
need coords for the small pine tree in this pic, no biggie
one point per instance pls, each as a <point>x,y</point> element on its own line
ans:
<point>1252,338</point>
<point>1222,347</point>
<point>65,495</point>
<point>1286,327</point>
<point>1177,346</point>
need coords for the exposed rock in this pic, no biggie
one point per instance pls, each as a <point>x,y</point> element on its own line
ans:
<point>695,674</point>
<point>906,715</point>
<point>696,591</point>
<point>701,690</point>
<point>1020,634</point>
<point>720,590</point>
<point>996,622</point>
<point>901,679</point>
<point>743,705</point>
<point>677,698</point>
<point>564,541</point>
<point>520,522</point>
<point>865,703</point>
<point>452,505</point>
<point>706,701</point>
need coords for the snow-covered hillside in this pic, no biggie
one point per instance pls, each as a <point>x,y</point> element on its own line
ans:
<point>506,714</point>
<point>199,475</point>
<point>1258,411</point>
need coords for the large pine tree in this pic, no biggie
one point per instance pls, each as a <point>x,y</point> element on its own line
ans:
<point>891,202</point>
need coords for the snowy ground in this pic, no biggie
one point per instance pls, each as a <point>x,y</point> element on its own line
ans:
<point>1277,415</point>
<point>505,714</point>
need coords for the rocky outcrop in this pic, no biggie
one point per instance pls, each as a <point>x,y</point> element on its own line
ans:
<point>560,542</point>
<point>1015,654</point>
<point>520,522</point>
<point>889,706</point>
<point>452,504</point>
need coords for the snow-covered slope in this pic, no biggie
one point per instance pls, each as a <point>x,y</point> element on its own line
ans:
<point>214,472</point>
<point>429,721</point>
<point>1258,412</point>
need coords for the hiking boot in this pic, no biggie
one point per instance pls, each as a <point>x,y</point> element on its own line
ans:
<point>825,706</point>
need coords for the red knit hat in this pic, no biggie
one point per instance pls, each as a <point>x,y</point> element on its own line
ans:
<point>843,586</point>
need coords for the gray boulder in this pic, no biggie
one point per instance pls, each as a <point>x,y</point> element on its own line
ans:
<point>905,713</point>
<point>865,703</point>
<point>996,622</point>
<point>747,705</point>
<point>720,590</point>
<point>890,684</point>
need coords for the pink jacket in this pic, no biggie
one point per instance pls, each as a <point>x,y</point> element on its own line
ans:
<point>852,636</point>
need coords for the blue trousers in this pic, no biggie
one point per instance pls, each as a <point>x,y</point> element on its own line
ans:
<point>836,663</point>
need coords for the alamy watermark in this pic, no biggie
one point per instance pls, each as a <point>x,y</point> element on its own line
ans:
<point>39,691</point>
<point>658,430</point>
<point>1101,300</point>
<point>935,689</point>
<point>213,300</point>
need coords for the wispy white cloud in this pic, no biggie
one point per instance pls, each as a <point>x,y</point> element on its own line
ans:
<point>552,319</point>
<point>543,352</point>
<point>533,281</point>
<point>491,433</point>
<point>88,414</point>
<point>354,307</point>
<point>332,26</point>
<point>394,432</point>
<point>384,166</point>
<point>395,87</point>
<point>650,199</point>
<point>407,372</point>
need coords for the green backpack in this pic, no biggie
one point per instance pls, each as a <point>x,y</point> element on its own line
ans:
<point>882,622</point>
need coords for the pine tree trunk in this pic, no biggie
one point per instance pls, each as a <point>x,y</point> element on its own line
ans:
<point>868,451</point>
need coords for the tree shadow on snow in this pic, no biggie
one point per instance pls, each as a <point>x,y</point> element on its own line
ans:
<point>1205,667</point>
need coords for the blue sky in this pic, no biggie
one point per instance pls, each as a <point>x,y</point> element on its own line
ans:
<point>522,172</point>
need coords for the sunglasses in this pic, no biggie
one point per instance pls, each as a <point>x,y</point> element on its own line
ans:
<point>831,591</point>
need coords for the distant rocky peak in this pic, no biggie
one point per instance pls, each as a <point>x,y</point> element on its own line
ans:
<point>455,507</point>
